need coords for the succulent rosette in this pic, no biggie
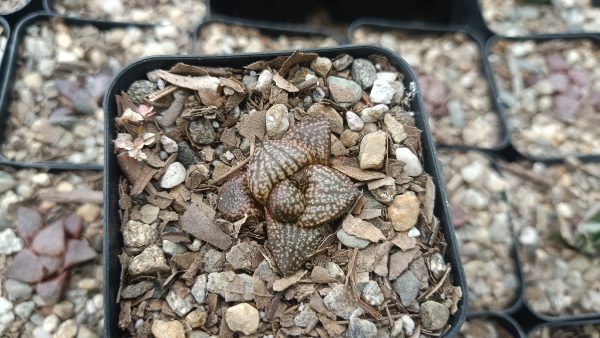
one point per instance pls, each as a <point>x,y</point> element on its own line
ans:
<point>289,182</point>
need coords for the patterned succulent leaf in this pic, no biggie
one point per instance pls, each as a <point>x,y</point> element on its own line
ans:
<point>315,133</point>
<point>286,202</point>
<point>273,162</point>
<point>235,200</point>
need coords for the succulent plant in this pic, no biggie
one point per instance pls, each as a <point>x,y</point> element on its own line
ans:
<point>290,180</point>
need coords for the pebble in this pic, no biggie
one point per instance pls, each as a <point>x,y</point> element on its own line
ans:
<point>7,182</point>
<point>39,332</point>
<point>277,120</point>
<point>168,329</point>
<point>345,92</point>
<point>196,318</point>
<point>394,128</point>
<point>220,283</point>
<point>243,318</point>
<point>139,235</point>
<point>382,92</point>
<point>412,165</point>
<point>397,329</point>
<point>470,173</point>
<point>372,150</point>
<point>264,80</point>
<point>172,248</point>
<point>474,199</point>
<point>374,114</point>
<point>84,332</point>
<point>321,66</point>
<point>408,325</point>
<point>199,290</point>
<point>372,293</point>
<point>437,265</point>
<point>180,305</point>
<point>407,287</point>
<point>168,144</point>
<point>24,309</point>
<point>363,72</point>
<point>456,114</point>
<point>306,316</point>
<point>338,302</point>
<point>63,310</point>
<point>173,176</point>
<point>202,132</point>
<point>434,315</point>
<point>361,328</point>
<point>404,211</point>
<point>89,212</point>
<point>67,329</point>
<point>349,138</point>
<point>51,323</point>
<point>529,237</point>
<point>151,260</point>
<point>351,241</point>
<point>213,261</point>
<point>335,271</point>
<point>355,123</point>
<point>149,213</point>
<point>9,242</point>
<point>186,155</point>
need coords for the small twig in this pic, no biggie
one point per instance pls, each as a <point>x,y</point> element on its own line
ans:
<point>351,266</point>
<point>387,312</point>
<point>76,196</point>
<point>434,231</point>
<point>437,286</point>
<point>516,170</point>
<point>237,167</point>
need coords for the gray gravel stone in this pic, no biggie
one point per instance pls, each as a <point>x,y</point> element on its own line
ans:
<point>173,176</point>
<point>213,261</point>
<point>434,315</point>
<point>407,287</point>
<point>9,242</point>
<point>172,248</point>
<point>344,92</point>
<point>338,302</point>
<point>437,265</point>
<point>230,286</point>
<point>186,155</point>
<point>351,241</point>
<point>17,290</point>
<point>305,317</point>
<point>138,234</point>
<point>199,289</point>
<point>24,309</point>
<point>363,72</point>
<point>202,132</point>
<point>372,294</point>
<point>180,305</point>
<point>7,181</point>
<point>151,260</point>
<point>361,328</point>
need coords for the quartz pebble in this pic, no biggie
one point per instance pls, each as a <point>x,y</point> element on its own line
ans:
<point>173,176</point>
<point>412,165</point>
<point>372,150</point>
<point>243,318</point>
<point>168,329</point>
<point>374,114</point>
<point>372,294</point>
<point>404,211</point>
<point>9,242</point>
<point>277,121</point>
<point>355,123</point>
<point>151,260</point>
<point>382,92</point>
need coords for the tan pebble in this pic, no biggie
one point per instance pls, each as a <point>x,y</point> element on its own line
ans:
<point>404,211</point>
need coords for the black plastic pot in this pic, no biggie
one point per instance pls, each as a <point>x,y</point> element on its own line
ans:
<point>565,326</point>
<point>113,241</point>
<point>512,152</point>
<point>424,29</point>
<point>10,73</point>
<point>18,13</point>
<point>502,320</point>
<point>342,11</point>
<point>270,29</point>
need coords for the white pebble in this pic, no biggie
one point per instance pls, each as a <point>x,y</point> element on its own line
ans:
<point>382,92</point>
<point>412,165</point>
<point>173,176</point>
<point>354,122</point>
<point>168,144</point>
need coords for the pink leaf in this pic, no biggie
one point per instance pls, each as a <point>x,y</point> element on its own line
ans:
<point>29,221</point>
<point>74,225</point>
<point>78,251</point>
<point>50,240</point>
<point>26,267</point>
<point>51,290</point>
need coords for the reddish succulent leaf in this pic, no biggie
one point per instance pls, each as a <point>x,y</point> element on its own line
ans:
<point>51,264</point>
<point>78,251</point>
<point>566,108</point>
<point>29,221</point>
<point>74,225</point>
<point>26,267</point>
<point>50,240</point>
<point>52,289</point>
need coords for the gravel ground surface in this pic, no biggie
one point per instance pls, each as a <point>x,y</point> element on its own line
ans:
<point>548,202</point>
<point>52,274</point>
<point>481,218</point>
<point>552,91</point>
<point>515,17</point>
<point>185,14</point>
<point>61,76</point>
<point>220,38</point>
<point>583,331</point>
<point>483,328</point>
<point>10,6</point>
<point>456,94</point>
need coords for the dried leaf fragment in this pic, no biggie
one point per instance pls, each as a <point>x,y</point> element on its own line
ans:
<point>362,229</point>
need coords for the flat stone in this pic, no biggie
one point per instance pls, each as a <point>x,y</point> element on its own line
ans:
<point>139,235</point>
<point>321,66</point>
<point>404,211</point>
<point>233,287</point>
<point>407,287</point>
<point>382,92</point>
<point>173,176</point>
<point>344,92</point>
<point>434,315</point>
<point>373,114</point>
<point>17,290</point>
<point>151,260</point>
<point>412,165</point>
<point>199,290</point>
<point>372,150</point>
<point>394,128</point>
<point>372,293</point>
<point>180,305</point>
<point>363,72</point>
<point>339,302</point>
<point>361,328</point>
<point>243,318</point>
<point>167,329</point>
<point>199,225</point>
<point>149,213</point>
<point>351,241</point>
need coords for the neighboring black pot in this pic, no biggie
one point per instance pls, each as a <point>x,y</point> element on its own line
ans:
<point>565,325</point>
<point>113,241</point>
<point>512,151</point>
<point>431,29</point>
<point>500,318</point>
<point>10,73</point>
<point>342,11</point>
<point>270,29</point>
<point>18,13</point>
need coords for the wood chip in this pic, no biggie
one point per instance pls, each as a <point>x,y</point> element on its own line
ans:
<point>399,262</point>
<point>232,83</point>
<point>403,241</point>
<point>286,282</point>
<point>190,82</point>
<point>253,125</point>
<point>199,225</point>
<point>362,229</point>
<point>284,84</point>
<point>429,200</point>
<point>386,181</point>
<point>369,213</point>
<point>357,173</point>
<point>320,275</point>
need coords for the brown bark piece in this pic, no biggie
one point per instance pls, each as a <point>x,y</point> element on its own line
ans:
<point>195,222</point>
